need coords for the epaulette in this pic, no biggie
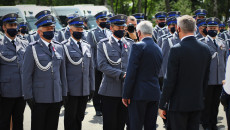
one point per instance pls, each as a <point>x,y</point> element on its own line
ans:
<point>32,33</point>
<point>169,36</point>
<point>104,39</point>
<point>126,38</point>
<point>64,42</point>
<point>200,39</point>
<point>32,43</point>
<point>55,42</point>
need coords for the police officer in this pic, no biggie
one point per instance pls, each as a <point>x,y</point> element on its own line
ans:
<point>167,42</point>
<point>35,36</point>
<point>44,77</point>
<point>23,30</point>
<point>202,27</point>
<point>65,33</point>
<point>222,26</point>
<point>218,50</point>
<point>80,75</point>
<point>160,28</point>
<point>171,22</point>
<point>112,57</point>
<point>226,34</point>
<point>200,14</point>
<point>12,49</point>
<point>93,38</point>
<point>139,16</point>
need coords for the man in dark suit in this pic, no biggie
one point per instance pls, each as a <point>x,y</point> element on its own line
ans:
<point>186,79</point>
<point>141,89</point>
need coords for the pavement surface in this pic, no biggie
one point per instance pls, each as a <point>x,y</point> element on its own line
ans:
<point>92,122</point>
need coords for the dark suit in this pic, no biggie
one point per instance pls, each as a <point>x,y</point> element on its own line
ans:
<point>141,84</point>
<point>185,83</point>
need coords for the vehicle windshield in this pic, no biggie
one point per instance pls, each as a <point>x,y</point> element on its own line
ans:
<point>32,20</point>
<point>91,22</point>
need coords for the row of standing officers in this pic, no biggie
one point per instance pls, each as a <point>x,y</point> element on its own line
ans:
<point>49,69</point>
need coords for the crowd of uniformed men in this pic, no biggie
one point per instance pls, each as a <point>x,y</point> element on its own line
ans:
<point>48,69</point>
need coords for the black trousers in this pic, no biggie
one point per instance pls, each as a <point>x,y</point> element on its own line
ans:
<point>12,107</point>
<point>143,113</point>
<point>212,102</point>
<point>97,99</point>
<point>115,114</point>
<point>45,116</point>
<point>184,120</point>
<point>75,112</point>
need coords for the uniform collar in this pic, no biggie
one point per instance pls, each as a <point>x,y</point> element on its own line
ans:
<point>10,39</point>
<point>75,41</point>
<point>186,37</point>
<point>101,28</point>
<point>46,43</point>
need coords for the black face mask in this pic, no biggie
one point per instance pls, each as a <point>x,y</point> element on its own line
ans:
<point>172,30</point>
<point>12,32</point>
<point>212,33</point>
<point>77,35</point>
<point>222,30</point>
<point>103,24</point>
<point>131,28</point>
<point>161,24</point>
<point>119,33</point>
<point>48,35</point>
<point>23,31</point>
<point>205,31</point>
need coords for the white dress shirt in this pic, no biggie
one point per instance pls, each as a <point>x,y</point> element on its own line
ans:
<point>227,78</point>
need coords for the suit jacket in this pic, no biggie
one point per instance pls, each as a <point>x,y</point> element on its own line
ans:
<point>11,72</point>
<point>80,77</point>
<point>93,41</point>
<point>111,84</point>
<point>187,76</point>
<point>141,82</point>
<point>44,86</point>
<point>218,63</point>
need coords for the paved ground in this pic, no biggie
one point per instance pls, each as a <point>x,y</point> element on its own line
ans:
<point>92,122</point>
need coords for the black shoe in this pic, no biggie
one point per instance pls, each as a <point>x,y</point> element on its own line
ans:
<point>98,113</point>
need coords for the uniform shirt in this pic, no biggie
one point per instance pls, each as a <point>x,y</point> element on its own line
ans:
<point>10,39</point>
<point>227,78</point>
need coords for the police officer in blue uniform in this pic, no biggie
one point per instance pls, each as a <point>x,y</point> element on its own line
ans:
<point>171,23</point>
<point>93,38</point>
<point>23,30</point>
<point>139,16</point>
<point>200,14</point>
<point>64,34</point>
<point>12,49</point>
<point>160,28</point>
<point>218,50</point>
<point>202,28</point>
<point>35,36</point>
<point>44,77</point>
<point>80,75</point>
<point>112,59</point>
<point>222,26</point>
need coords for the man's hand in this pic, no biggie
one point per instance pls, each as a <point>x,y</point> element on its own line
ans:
<point>31,103</point>
<point>126,102</point>
<point>224,81</point>
<point>162,113</point>
<point>133,35</point>
<point>124,76</point>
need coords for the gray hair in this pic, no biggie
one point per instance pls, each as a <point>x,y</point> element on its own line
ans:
<point>145,27</point>
<point>186,23</point>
